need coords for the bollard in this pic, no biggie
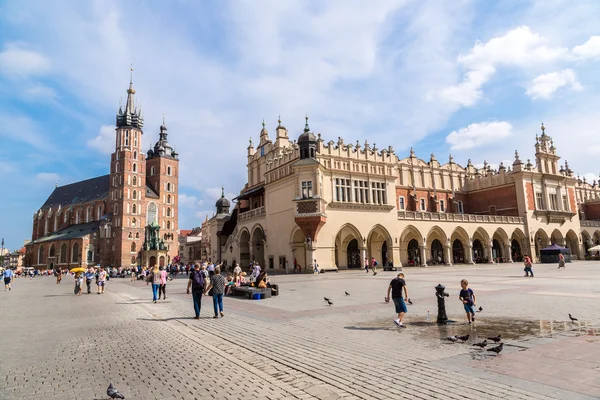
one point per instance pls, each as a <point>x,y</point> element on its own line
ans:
<point>442,318</point>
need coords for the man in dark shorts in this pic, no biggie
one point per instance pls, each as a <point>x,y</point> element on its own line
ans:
<point>396,286</point>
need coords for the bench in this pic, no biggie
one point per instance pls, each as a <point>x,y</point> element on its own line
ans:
<point>249,292</point>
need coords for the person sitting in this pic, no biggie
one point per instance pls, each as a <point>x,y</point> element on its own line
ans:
<point>242,280</point>
<point>261,281</point>
<point>230,284</point>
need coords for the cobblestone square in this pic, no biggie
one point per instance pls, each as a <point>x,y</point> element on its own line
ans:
<point>57,345</point>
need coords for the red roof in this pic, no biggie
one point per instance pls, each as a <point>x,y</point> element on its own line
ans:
<point>22,251</point>
<point>184,232</point>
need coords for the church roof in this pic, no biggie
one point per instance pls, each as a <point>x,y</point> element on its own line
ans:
<point>150,192</point>
<point>72,232</point>
<point>79,192</point>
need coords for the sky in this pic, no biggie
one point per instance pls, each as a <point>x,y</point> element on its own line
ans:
<point>474,79</point>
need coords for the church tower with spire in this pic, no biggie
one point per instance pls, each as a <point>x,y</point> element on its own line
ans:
<point>127,190</point>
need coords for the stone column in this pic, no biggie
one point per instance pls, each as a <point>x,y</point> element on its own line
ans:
<point>396,256</point>
<point>448,249</point>
<point>423,256</point>
<point>508,251</point>
<point>469,254</point>
<point>310,257</point>
<point>363,253</point>
<point>490,252</point>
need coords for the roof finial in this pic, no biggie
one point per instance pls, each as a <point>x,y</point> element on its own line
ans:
<point>163,118</point>
<point>306,128</point>
<point>131,74</point>
<point>543,128</point>
<point>222,192</point>
<point>279,120</point>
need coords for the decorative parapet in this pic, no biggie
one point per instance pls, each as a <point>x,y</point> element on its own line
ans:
<point>446,217</point>
<point>590,224</point>
<point>257,212</point>
<point>361,206</point>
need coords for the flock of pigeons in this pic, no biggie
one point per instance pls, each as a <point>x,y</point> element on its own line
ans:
<point>329,302</point>
<point>483,344</point>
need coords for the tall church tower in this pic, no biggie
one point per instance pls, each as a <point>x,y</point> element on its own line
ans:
<point>162,166</point>
<point>127,192</point>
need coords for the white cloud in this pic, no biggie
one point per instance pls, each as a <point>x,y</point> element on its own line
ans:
<point>17,61</point>
<point>479,134</point>
<point>519,47</point>
<point>545,85</point>
<point>590,49</point>
<point>105,141</point>
<point>48,177</point>
<point>190,201</point>
<point>24,129</point>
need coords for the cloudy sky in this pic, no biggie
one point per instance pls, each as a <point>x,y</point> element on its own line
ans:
<point>471,78</point>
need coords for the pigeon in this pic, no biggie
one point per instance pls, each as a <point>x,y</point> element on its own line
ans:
<point>326,299</point>
<point>496,349</point>
<point>480,309</point>
<point>347,294</point>
<point>495,339</point>
<point>452,339</point>
<point>329,302</point>
<point>572,318</point>
<point>113,393</point>
<point>481,344</point>
<point>463,338</point>
<point>409,302</point>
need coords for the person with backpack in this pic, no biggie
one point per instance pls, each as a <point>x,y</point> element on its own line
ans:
<point>196,283</point>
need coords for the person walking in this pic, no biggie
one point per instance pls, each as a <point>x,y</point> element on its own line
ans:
<point>9,276</point>
<point>397,285</point>
<point>89,277</point>
<point>196,283</point>
<point>217,284</point>
<point>467,297</point>
<point>373,265</point>
<point>163,283</point>
<point>528,266</point>
<point>78,283</point>
<point>366,265</point>
<point>101,280</point>
<point>316,267</point>
<point>561,261</point>
<point>58,275</point>
<point>154,279</point>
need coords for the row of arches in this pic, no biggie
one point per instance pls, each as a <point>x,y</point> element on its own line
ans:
<point>66,255</point>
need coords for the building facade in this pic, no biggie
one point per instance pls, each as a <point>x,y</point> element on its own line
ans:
<point>341,203</point>
<point>105,220</point>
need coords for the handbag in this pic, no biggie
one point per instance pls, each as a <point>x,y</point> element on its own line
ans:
<point>210,292</point>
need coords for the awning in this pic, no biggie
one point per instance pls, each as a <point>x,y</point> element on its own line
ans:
<point>244,196</point>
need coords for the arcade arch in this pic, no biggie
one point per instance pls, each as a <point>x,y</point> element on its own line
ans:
<point>348,245</point>
<point>379,244</point>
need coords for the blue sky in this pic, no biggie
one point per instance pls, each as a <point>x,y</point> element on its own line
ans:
<point>471,78</point>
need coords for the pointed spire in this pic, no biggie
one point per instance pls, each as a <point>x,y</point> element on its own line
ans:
<point>222,192</point>
<point>306,128</point>
<point>279,121</point>
<point>251,145</point>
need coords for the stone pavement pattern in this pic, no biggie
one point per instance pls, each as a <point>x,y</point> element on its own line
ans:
<point>295,346</point>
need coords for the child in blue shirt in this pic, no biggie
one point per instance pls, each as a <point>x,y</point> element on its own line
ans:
<point>468,299</point>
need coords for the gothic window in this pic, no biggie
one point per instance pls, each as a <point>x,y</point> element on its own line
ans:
<point>169,170</point>
<point>126,138</point>
<point>169,212</point>
<point>99,213</point>
<point>135,181</point>
<point>168,186</point>
<point>135,142</point>
<point>90,256</point>
<point>168,224</point>
<point>88,216</point>
<point>137,235</point>
<point>133,222</point>
<point>135,152</point>
<point>55,223</point>
<point>135,194</point>
<point>52,251</point>
<point>152,170</point>
<point>168,199</point>
<point>41,255</point>
<point>130,236</point>
<point>116,167</point>
<point>116,209</point>
<point>151,213</point>
<point>133,209</point>
<point>63,253</point>
<point>77,216</point>
<point>132,260</point>
<point>134,167</point>
<point>75,257</point>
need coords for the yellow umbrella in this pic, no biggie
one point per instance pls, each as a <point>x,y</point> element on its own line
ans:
<point>78,269</point>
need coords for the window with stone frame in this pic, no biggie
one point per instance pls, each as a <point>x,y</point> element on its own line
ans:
<point>422,205</point>
<point>378,193</point>
<point>539,200</point>
<point>343,190</point>
<point>307,189</point>
<point>401,203</point>
<point>565,202</point>
<point>553,201</point>
<point>361,192</point>
<point>461,209</point>
<point>442,206</point>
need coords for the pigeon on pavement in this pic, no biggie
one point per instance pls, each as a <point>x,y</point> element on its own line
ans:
<point>113,393</point>
<point>496,349</point>
<point>463,338</point>
<point>572,318</point>
<point>325,298</point>
<point>329,302</point>
<point>347,294</point>
<point>481,344</point>
<point>495,339</point>
<point>480,309</point>
<point>452,339</point>
<point>409,302</point>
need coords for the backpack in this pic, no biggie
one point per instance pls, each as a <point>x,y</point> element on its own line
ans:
<point>197,280</point>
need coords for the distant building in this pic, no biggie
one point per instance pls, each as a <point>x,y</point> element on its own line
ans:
<point>189,245</point>
<point>16,258</point>
<point>342,203</point>
<point>126,218</point>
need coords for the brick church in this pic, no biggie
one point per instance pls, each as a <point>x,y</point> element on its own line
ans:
<point>123,219</point>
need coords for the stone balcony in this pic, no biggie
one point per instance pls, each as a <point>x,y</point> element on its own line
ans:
<point>447,217</point>
<point>257,212</point>
<point>590,224</point>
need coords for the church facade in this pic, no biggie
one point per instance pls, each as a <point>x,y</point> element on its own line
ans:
<point>341,203</point>
<point>106,220</point>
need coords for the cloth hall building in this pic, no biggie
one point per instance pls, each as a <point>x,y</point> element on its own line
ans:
<point>341,203</point>
<point>123,219</point>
